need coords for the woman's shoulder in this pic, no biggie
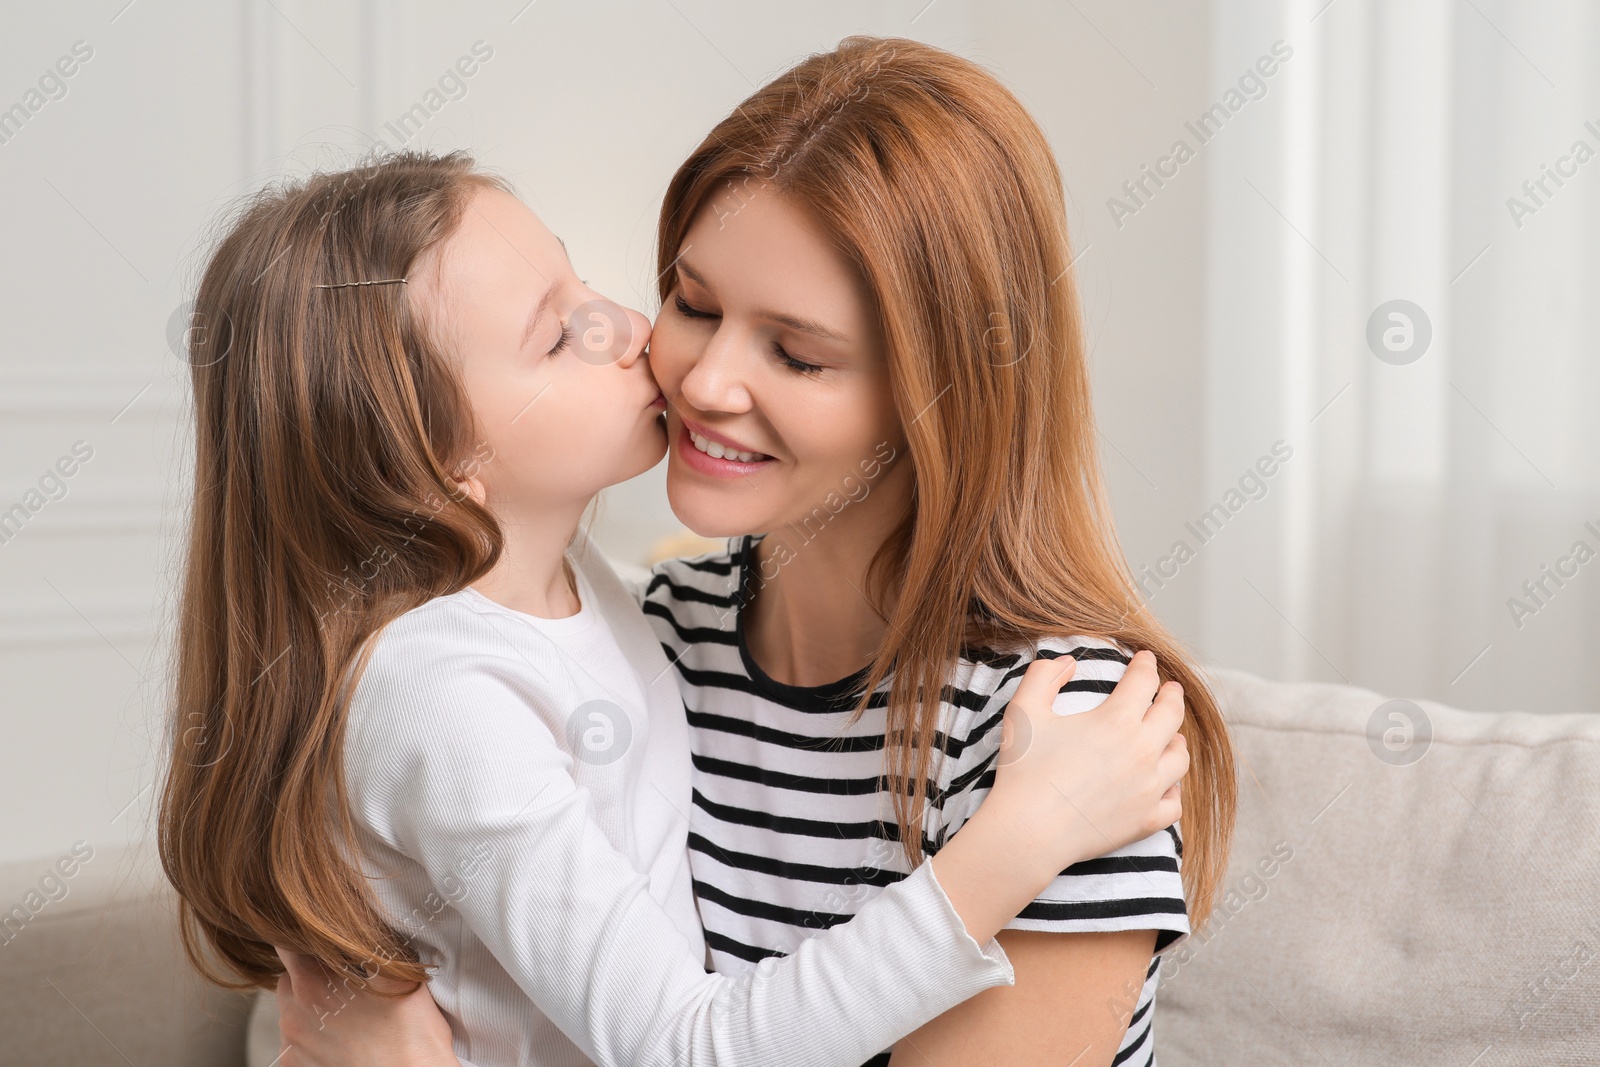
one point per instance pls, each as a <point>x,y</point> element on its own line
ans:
<point>999,666</point>
<point>1082,647</point>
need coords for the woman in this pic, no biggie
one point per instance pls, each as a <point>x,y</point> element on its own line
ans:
<point>867,302</point>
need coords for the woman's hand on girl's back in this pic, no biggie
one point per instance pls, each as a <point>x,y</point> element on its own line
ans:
<point>325,1021</point>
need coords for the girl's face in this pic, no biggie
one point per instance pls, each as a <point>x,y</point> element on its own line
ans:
<point>561,391</point>
<point>769,345</point>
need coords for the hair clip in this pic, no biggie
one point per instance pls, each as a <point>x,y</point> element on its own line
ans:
<point>346,285</point>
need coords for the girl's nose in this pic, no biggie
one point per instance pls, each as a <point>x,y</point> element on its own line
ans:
<point>639,337</point>
<point>607,333</point>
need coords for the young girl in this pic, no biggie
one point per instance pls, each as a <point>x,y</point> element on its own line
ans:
<point>424,733</point>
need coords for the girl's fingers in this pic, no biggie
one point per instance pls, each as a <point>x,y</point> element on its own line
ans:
<point>308,978</point>
<point>379,984</point>
<point>1165,713</point>
<point>1173,763</point>
<point>286,980</point>
<point>1171,811</point>
<point>1042,681</point>
<point>1139,682</point>
<point>1035,696</point>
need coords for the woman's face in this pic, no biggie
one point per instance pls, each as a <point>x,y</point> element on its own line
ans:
<point>770,354</point>
<point>564,402</point>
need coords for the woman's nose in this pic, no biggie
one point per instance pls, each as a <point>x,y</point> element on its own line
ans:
<point>715,381</point>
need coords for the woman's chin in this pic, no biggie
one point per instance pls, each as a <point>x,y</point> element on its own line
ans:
<point>708,512</point>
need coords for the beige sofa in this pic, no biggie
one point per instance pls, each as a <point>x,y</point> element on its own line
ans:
<point>1380,908</point>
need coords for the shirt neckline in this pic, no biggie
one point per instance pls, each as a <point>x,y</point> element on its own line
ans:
<point>839,695</point>
<point>566,626</point>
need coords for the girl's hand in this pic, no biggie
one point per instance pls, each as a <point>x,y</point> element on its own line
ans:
<point>1067,788</point>
<point>1092,782</point>
<point>327,1021</point>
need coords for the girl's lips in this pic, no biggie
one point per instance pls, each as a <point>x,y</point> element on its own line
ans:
<point>708,464</point>
<point>660,402</point>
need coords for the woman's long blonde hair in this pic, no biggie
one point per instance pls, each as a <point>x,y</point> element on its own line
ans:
<point>941,188</point>
<point>328,427</point>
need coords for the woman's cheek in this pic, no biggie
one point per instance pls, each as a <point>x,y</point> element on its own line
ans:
<point>669,359</point>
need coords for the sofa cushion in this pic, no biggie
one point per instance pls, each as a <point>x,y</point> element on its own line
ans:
<point>92,973</point>
<point>1430,902</point>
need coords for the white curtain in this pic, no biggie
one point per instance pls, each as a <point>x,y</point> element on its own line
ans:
<point>1435,532</point>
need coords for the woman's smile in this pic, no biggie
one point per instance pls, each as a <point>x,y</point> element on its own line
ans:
<point>709,453</point>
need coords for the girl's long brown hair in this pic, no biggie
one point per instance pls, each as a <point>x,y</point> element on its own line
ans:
<point>327,425</point>
<point>941,188</point>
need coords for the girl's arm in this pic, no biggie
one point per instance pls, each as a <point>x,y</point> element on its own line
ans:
<point>574,924</point>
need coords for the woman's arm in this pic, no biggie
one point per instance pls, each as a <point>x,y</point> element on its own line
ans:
<point>624,988</point>
<point>1071,1004</point>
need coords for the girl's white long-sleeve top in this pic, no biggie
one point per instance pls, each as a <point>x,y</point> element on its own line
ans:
<point>521,791</point>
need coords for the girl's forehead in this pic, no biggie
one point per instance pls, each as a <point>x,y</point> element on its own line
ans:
<point>498,236</point>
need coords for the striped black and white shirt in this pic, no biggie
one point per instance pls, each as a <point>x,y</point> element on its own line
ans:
<point>792,827</point>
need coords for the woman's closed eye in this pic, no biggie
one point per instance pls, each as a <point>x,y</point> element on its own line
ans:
<point>794,364</point>
<point>689,311</point>
<point>684,308</point>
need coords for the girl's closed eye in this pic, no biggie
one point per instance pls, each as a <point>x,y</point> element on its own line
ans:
<point>563,341</point>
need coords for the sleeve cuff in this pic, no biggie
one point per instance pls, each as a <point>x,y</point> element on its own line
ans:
<point>927,897</point>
